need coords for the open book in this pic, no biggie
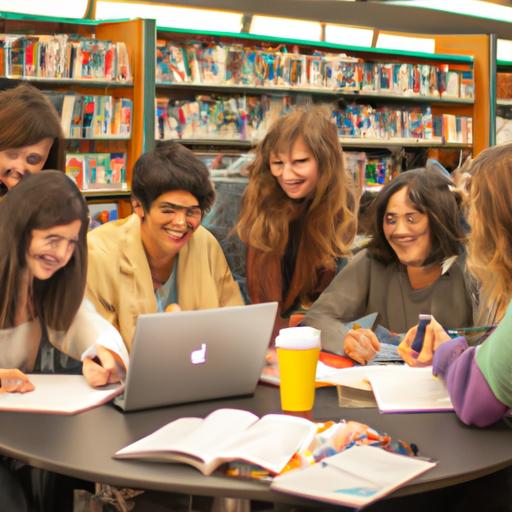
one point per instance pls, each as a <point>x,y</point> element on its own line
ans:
<point>397,388</point>
<point>355,477</point>
<point>58,394</point>
<point>223,436</point>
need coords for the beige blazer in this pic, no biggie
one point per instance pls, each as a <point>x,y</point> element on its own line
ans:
<point>119,279</point>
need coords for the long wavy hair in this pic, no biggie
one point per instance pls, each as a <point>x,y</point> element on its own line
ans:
<point>490,218</point>
<point>329,218</point>
<point>42,201</point>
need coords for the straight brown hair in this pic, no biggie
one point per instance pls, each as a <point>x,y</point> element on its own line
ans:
<point>42,201</point>
<point>27,116</point>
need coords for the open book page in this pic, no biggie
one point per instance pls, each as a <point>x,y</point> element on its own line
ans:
<point>192,437</point>
<point>397,388</point>
<point>355,477</point>
<point>58,394</point>
<point>408,389</point>
<point>271,442</point>
<point>226,435</point>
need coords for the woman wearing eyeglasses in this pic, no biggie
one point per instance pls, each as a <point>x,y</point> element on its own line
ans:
<point>160,255</point>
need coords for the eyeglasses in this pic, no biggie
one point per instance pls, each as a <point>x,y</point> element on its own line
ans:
<point>194,213</point>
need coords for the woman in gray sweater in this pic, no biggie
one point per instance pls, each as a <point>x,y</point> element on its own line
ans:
<point>413,264</point>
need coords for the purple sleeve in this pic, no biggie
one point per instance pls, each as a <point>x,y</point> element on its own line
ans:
<point>472,398</point>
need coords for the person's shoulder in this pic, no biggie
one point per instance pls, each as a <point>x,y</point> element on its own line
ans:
<point>204,238</point>
<point>108,235</point>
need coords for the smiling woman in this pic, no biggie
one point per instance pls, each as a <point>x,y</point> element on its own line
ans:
<point>415,264</point>
<point>32,137</point>
<point>298,212</point>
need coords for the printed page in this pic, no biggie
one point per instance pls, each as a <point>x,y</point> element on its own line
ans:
<point>355,477</point>
<point>408,389</point>
<point>270,442</point>
<point>58,394</point>
<point>197,437</point>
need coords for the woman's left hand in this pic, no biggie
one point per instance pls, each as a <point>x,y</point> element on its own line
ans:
<point>435,336</point>
<point>109,370</point>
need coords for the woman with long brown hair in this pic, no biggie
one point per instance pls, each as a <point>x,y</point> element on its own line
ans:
<point>298,216</point>
<point>413,264</point>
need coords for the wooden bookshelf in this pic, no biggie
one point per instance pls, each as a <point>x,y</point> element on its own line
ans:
<point>138,36</point>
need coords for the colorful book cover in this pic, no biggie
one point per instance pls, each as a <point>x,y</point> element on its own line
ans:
<point>75,165</point>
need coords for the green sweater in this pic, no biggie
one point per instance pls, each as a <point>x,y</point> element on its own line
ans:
<point>494,358</point>
<point>366,286</point>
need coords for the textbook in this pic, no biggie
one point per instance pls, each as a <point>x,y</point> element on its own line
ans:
<point>225,435</point>
<point>58,394</point>
<point>355,477</point>
<point>397,388</point>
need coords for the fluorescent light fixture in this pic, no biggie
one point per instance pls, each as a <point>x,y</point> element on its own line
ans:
<point>477,8</point>
<point>170,16</point>
<point>504,50</point>
<point>286,28</point>
<point>353,36</point>
<point>411,44</point>
<point>64,8</point>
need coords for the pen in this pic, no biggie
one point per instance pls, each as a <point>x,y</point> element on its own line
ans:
<point>470,330</point>
<point>423,321</point>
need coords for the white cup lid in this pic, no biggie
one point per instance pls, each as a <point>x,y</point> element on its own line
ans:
<point>300,338</point>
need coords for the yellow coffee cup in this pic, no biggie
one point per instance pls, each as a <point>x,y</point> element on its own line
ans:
<point>297,355</point>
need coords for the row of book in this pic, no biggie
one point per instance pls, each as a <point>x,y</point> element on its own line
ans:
<point>97,171</point>
<point>397,122</point>
<point>248,118</point>
<point>62,56</point>
<point>370,172</point>
<point>87,117</point>
<point>221,64</point>
<point>210,117</point>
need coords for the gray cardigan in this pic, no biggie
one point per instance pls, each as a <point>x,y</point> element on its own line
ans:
<point>366,286</point>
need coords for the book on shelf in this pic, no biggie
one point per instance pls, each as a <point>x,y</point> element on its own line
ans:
<point>233,64</point>
<point>93,116</point>
<point>65,56</point>
<point>225,435</point>
<point>101,213</point>
<point>97,171</point>
<point>58,394</point>
<point>355,477</point>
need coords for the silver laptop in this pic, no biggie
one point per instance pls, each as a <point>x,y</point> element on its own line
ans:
<point>189,356</point>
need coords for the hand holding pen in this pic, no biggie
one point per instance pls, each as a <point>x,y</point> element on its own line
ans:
<point>417,353</point>
<point>103,369</point>
<point>13,380</point>
<point>361,345</point>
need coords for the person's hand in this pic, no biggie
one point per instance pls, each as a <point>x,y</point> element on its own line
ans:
<point>361,345</point>
<point>105,368</point>
<point>435,336</point>
<point>171,308</point>
<point>14,381</point>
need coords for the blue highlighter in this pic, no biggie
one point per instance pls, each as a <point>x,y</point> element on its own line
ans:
<point>423,321</point>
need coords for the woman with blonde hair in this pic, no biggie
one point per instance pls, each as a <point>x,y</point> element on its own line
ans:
<point>298,216</point>
<point>478,378</point>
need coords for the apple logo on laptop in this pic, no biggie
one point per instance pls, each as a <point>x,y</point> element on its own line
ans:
<point>199,356</point>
